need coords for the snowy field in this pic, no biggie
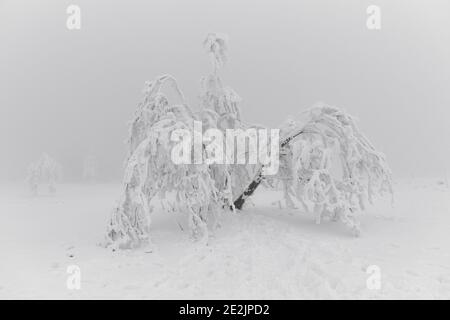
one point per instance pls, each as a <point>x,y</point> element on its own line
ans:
<point>263,252</point>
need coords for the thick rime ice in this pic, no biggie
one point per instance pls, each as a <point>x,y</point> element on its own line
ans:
<point>309,151</point>
<point>45,171</point>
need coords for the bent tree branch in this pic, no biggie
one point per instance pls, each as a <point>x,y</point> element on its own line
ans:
<point>250,189</point>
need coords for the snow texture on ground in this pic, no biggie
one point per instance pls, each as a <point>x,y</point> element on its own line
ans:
<point>263,252</point>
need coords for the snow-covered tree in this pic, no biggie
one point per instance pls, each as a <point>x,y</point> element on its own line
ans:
<point>327,164</point>
<point>151,172</point>
<point>90,168</point>
<point>45,171</point>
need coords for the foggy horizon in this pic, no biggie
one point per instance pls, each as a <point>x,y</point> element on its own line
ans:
<point>71,93</point>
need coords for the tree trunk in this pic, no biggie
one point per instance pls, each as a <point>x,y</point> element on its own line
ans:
<point>239,202</point>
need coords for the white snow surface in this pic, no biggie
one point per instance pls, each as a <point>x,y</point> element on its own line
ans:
<point>262,252</point>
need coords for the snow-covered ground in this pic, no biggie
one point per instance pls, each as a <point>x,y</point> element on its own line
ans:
<point>263,252</point>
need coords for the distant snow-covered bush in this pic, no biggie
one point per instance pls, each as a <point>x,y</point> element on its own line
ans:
<point>45,171</point>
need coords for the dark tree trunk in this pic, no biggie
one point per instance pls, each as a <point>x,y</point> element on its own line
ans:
<point>239,202</point>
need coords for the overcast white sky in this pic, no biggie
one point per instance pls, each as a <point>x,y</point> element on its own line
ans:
<point>71,92</point>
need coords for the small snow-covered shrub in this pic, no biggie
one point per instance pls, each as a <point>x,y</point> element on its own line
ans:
<point>45,171</point>
<point>311,144</point>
